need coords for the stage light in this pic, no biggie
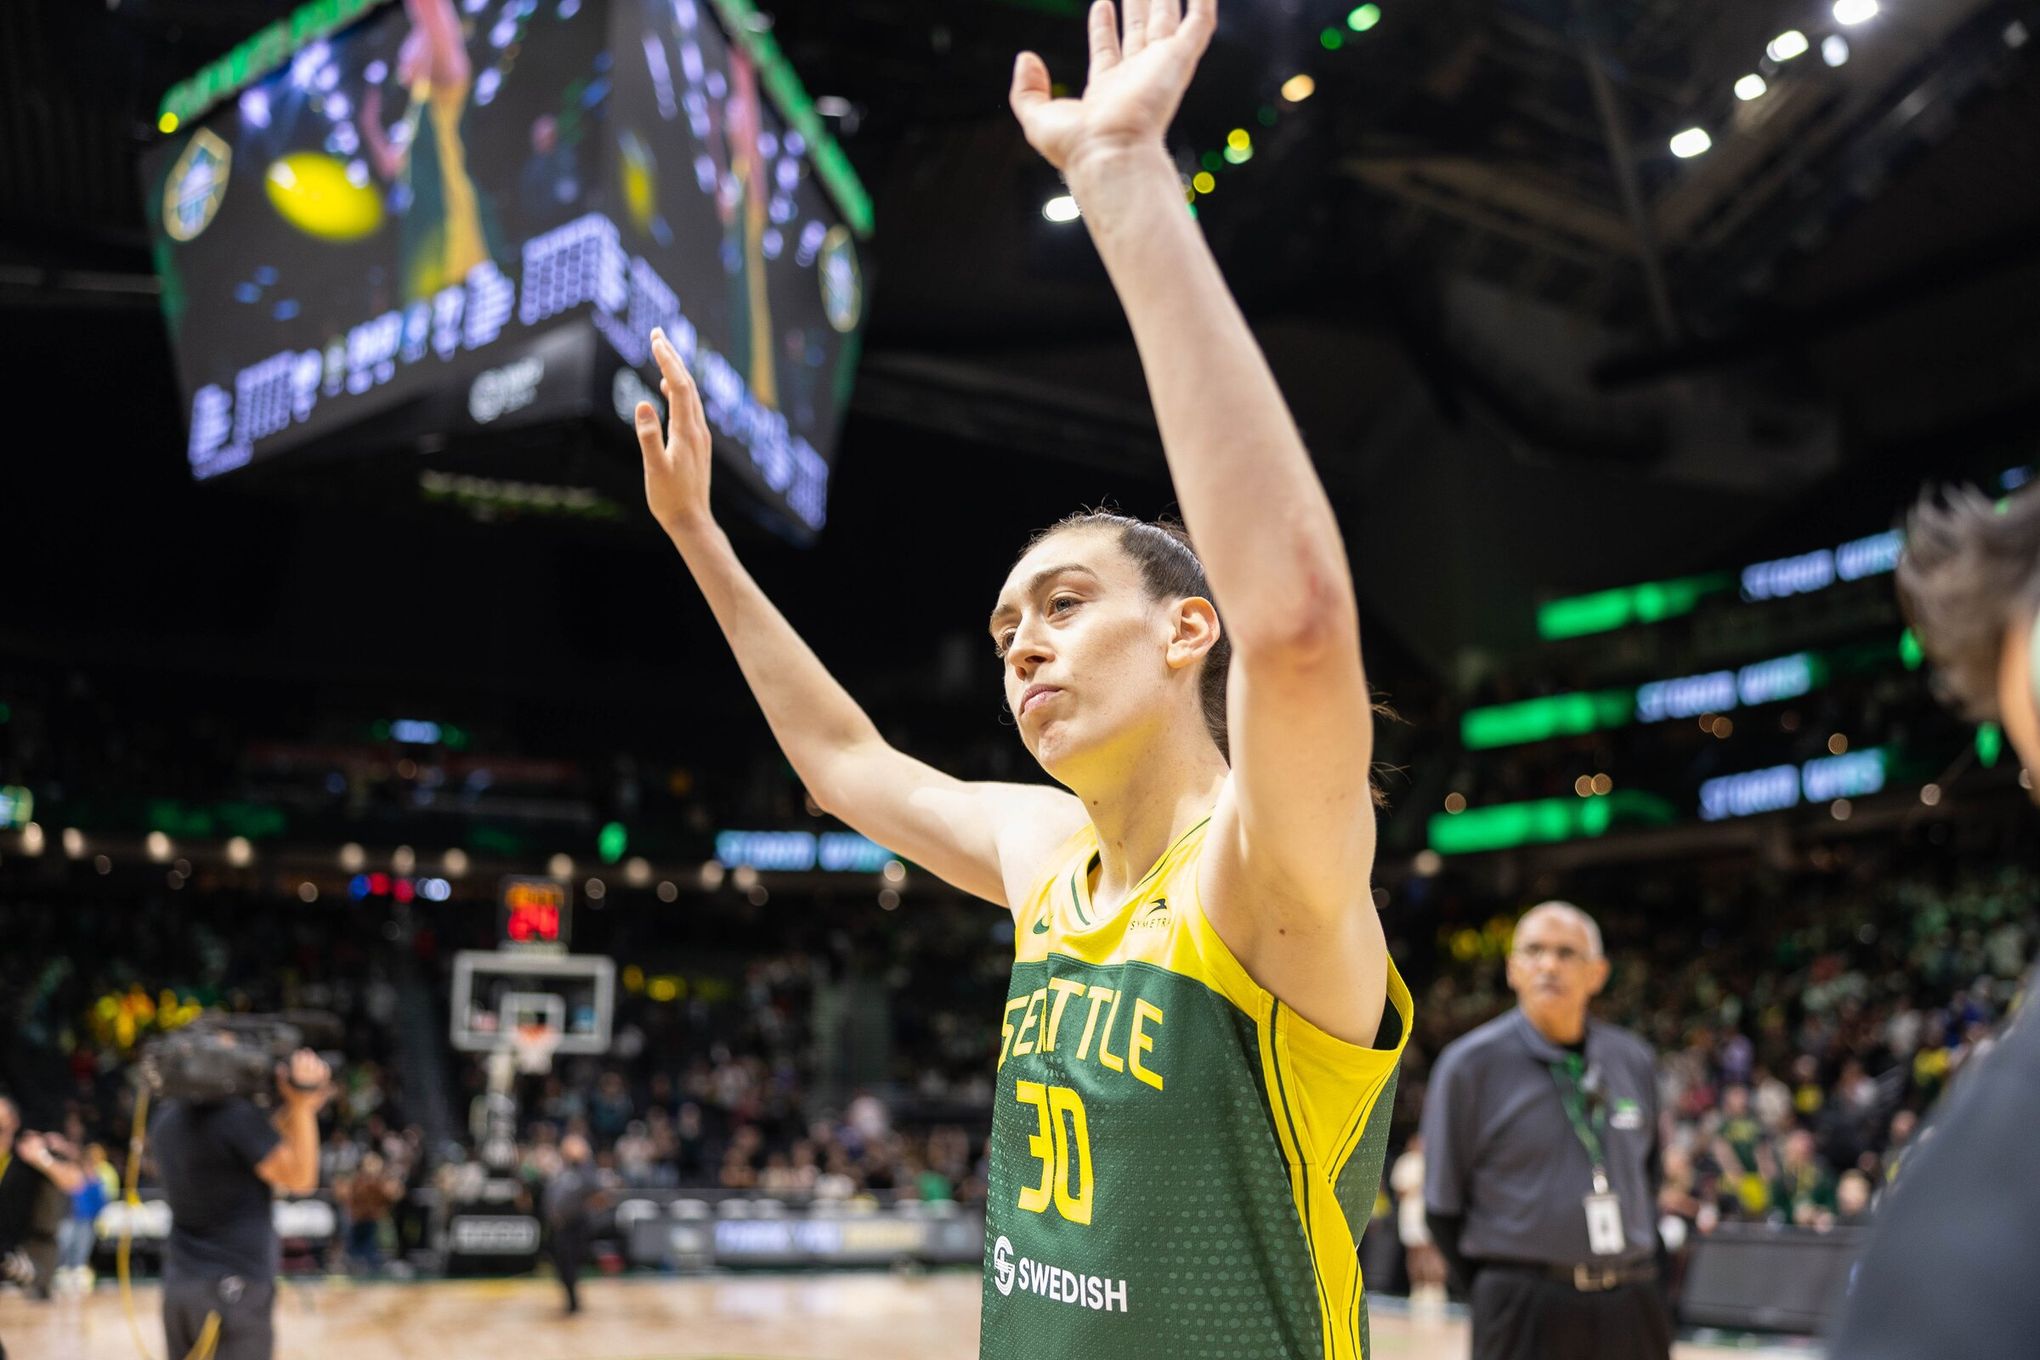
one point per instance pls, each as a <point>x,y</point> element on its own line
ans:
<point>1331,40</point>
<point>1061,208</point>
<point>159,847</point>
<point>1750,87</point>
<point>1203,182</point>
<point>712,875</point>
<point>1931,795</point>
<point>1690,143</point>
<point>1851,12</point>
<point>1237,156</point>
<point>1838,745</point>
<point>1364,18</point>
<point>74,842</point>
<point>1455,803</point>
<point>1427,863</point>
<point>612,842</point>
<point>637,871</point>
<point>352,857</point>
<point>1834,49</point>
<point>403,859</point>
<point>167,124</point>
<point>560,866</point>
<point>456,862</point>
<point>1298,88</point>
<point>1238,140</point>
<point>308,892</point>
<point>32,840</point>
<point>239,852</point>
<point>1787,45</point>
<point>895,872</point>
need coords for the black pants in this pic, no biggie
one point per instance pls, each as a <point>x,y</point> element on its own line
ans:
<point>568,1248</point>
<point>247,1327</point>
<point>1526,1315</point>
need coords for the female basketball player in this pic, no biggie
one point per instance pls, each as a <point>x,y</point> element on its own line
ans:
<point>1202,1029</point>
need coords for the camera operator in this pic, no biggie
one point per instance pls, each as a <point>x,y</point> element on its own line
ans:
<point>220,1162</point>
<point>38,1176</point>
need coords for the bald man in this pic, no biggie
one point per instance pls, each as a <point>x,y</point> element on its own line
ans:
<point>1541,1158</point>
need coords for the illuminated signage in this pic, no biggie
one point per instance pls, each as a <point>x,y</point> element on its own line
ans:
<point>17,806</point>
<point>1761,682</point>
<point>1568,715</point>
<point>1545,821</point>
<point>254,58</point>
<point>1855,775</point>
<point>1855,560</point>
<point>835,852</point>
<point>536,911</point>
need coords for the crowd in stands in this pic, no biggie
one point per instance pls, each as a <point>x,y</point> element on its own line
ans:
<point>1806,1018</point>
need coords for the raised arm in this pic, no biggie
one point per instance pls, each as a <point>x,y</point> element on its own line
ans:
<point>1294,832</point>
<point>987,839</point>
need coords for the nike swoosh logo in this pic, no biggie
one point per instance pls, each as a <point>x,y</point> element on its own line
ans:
<point>1041,926</point>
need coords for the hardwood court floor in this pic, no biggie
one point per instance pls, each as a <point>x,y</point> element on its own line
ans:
<point>861,1316</point>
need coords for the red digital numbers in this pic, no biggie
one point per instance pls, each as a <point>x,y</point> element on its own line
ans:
<point>533,913</point>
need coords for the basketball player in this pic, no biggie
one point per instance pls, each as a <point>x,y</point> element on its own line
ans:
<point>1953,1253</point>
<point>1202,1030</point>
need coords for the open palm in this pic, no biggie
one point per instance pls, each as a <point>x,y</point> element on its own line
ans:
<point>1135,84</point>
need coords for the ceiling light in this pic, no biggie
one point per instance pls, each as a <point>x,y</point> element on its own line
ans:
<point>1690,143</point>
<point>1061,208</point>
<point>1750,87</point>
<point>1787,45</point>
<point>1849,12</point>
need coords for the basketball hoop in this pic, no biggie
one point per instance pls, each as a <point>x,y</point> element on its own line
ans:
<point>533,1047</point>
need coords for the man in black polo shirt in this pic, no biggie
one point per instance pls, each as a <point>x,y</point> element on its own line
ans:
<point>221,1162</point>
<point>1540,1162</point>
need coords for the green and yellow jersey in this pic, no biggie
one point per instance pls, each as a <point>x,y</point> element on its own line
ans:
<point>1181,1165</point>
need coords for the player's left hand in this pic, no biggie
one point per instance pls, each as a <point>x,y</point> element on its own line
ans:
<point>1135,84</point>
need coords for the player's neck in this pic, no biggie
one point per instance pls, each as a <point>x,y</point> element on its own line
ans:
<point>1167,793</point>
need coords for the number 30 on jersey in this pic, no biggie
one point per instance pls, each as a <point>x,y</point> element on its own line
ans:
<point>1063,1137</point>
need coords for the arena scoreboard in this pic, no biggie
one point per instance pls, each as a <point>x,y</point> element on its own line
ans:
<point>448,218</point>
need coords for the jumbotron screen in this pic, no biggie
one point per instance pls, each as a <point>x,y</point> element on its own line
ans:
<point>430,216</point>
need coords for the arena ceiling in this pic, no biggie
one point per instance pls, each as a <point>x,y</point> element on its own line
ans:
<point>1532,350</point>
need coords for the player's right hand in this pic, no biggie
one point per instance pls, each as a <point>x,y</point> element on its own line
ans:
<point>677,464</point>
<point>306,1079</point>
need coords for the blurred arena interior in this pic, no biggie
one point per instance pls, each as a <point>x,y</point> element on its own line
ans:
<point>1622,333</point>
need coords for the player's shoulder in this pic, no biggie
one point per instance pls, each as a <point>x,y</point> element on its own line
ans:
<point>1037,827</point>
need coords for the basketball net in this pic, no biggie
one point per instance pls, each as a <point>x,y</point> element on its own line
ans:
<point>532,1048</point>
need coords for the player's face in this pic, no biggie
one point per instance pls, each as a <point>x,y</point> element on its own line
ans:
<point>1086,653</point>
<point>2015,699</point>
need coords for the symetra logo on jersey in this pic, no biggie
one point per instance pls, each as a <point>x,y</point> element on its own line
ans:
<point>1030,1276</point>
